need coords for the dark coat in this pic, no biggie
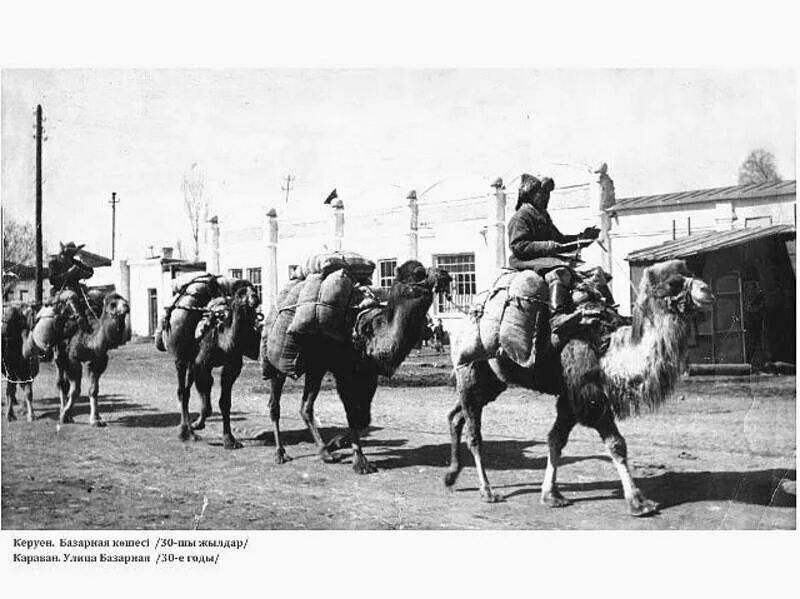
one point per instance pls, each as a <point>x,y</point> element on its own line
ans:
<point>66,273</point>
<point>534,239</point>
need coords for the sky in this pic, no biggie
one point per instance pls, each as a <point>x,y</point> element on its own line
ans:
<point>372,134</point>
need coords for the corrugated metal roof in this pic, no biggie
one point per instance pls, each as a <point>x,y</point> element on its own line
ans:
<point>757,190</point>
<point>706,242</point>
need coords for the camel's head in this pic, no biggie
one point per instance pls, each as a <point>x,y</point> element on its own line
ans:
<point>244,294</point>
<point>116,306</point>
<point>673,288</point>
<point>413,279</point>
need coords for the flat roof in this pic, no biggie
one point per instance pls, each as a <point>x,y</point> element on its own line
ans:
<point>681,198</point>
<point>707,242</point>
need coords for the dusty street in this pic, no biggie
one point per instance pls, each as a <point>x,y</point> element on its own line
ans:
<point>720,455</point>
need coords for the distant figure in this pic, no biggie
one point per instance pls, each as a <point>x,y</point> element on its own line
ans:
<point>65,272</point>
<point>438,336</point>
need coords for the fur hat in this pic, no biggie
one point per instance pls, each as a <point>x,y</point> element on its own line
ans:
<point>528,188</point>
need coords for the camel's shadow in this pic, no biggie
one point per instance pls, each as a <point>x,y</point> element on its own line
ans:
<point>168,419</point>
<point>48,408</point>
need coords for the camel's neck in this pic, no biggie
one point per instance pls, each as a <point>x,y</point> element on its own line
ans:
<point>643,361</point>
<point>399,331</point>
<point>106,334</point>
<point>231,336</point>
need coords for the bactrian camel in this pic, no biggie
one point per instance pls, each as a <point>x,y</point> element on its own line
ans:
<point>108,329</point>
<point>232,333</point>
<point>384,338</point>
<point>637,372</point>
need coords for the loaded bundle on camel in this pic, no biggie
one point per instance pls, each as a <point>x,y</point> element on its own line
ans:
<point>328,319</point>
<point>212,322</point>
<point>600,366</point>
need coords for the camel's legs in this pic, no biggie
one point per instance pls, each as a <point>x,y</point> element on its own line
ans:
<point>72,381</point>
<point>311,389</point>
<point>456,421</point>
<point>556,440</point>
<point>356,390</point>
<point>638,504</point>
<point>477,385</point>
<point>276,384</point>
<point>27,389</point>
<point>203,382</point>
<point>11,393</point>
<point>96,368</point>
<point>184,389</point>
<point>230,372</point>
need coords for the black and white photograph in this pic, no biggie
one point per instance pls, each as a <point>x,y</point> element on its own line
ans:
<point>398,298</point>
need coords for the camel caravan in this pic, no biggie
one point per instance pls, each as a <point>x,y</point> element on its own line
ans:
<point>548,323</point>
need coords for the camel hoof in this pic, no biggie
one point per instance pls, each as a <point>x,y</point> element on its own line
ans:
<point>229,442</point>
<point>640,507</point>
<point>31,418</point>
<point>450,478</point>
<point>11,417</point>
<point>490,497</point>
<point>337,443</point>
<point>281,457</point>
<point>197,425</point>
<point>186,434</point>
<point>555,500</point>
<point>65,419</point>
<point>98,422</point>
<point>362,466</point>
<point>328,457</point>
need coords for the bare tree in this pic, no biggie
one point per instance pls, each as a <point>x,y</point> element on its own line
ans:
<point>19,241</point>
<point>193,185</point>
<point>758,167</point>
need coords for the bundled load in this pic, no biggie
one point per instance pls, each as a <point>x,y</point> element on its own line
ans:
<point>279,347</point>
<point>514,317</point>
<point>357,267</point>
<point>321,298</point>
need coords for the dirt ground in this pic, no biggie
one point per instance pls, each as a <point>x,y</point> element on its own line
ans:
<point>722,454</point>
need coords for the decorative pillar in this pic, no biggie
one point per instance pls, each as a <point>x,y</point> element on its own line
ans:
<point>603,200</point>
<point>124,280</point>
<point>212,248</point>
<point>269,276</point>
<point>496,227</point>
<point>338,223</point>
<point>413,228</point>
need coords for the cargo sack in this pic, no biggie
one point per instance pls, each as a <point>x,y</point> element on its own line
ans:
<point>360,269</point>
<point>514,318</point>
<point>324,306</point>
<point>282,349</point>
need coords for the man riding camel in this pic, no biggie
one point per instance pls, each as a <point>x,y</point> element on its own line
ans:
<point>537,244</point>
<point>65,272</point>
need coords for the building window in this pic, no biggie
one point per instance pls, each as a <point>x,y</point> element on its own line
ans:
<point>254,276</point>
<point>386,269</point>
<point>463,288</point>
<point>757,221</point>
<point>235,273</point>
<point>22,294</point>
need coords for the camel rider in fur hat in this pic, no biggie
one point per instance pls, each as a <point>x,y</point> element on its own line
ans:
<point>537,244</point>
<point>65,272</point>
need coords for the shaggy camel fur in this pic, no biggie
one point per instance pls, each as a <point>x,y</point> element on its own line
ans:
<point>235,334</point>
<point>384,338</point>
<point>109,329</point>
<point>638,371</point>
<point>20,357</point>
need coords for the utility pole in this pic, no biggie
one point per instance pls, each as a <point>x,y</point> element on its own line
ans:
<point>39,269</point>
<point>113,201</point>
<point>288,187</point>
